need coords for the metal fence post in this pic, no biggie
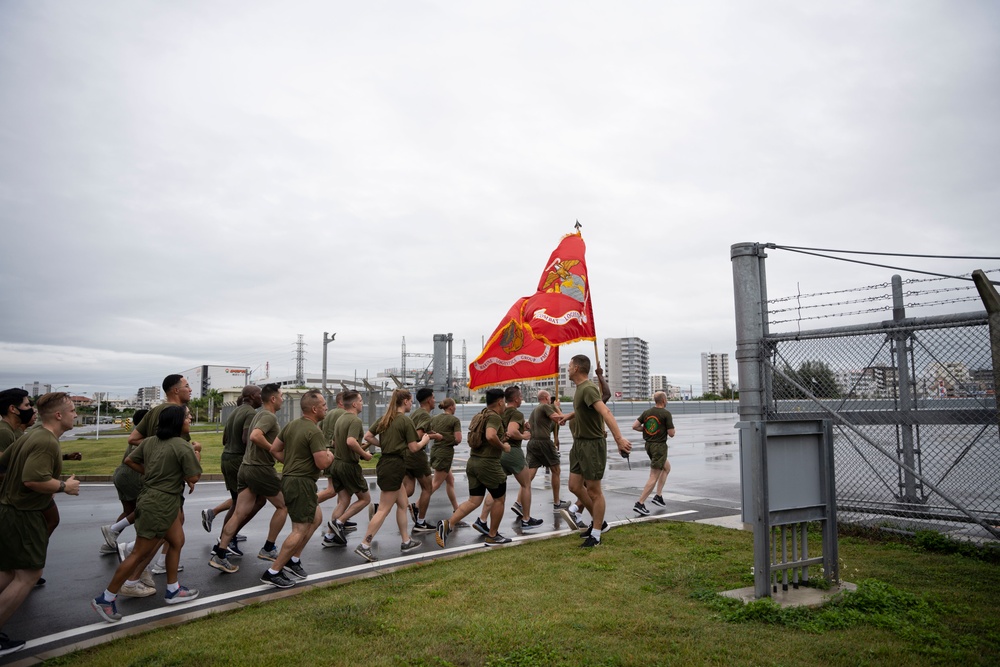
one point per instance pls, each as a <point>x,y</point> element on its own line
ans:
<point>747,259</point>
<point>991,301</point>
<point>907,453</point>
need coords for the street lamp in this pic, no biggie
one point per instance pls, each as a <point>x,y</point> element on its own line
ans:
<point>327,339</point>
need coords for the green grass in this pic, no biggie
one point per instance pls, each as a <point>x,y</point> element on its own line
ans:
<point>646,596</point>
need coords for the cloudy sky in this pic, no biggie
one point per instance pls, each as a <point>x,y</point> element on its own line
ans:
<point>198,182</point>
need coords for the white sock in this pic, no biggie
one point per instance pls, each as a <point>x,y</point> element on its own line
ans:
<point>109,596</point>
<point>574,509</point>
<point>172,588</point>
<point>295,560</point>
<point>596,534</point>
<point>161,561</point>
<point>271,572</point>
<point>120,526</point>
<point>327,536</point>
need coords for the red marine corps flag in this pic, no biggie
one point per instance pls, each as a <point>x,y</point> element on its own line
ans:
<point>525,345</point>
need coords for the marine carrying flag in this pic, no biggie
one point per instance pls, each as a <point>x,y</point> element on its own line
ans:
<point>525,344</point>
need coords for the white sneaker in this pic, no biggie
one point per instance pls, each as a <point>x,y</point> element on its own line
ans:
<point>147,578</point>
<point>156,568</point>
<point>137,590</point>
<point>110,536</point>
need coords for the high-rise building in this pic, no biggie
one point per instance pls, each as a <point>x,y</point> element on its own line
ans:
<point>658,383</point>
<point>147,397</point>
<point>36,389</point>
<point>627,368</point>
<point>714,372</point>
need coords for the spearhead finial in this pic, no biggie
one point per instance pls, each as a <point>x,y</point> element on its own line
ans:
<point>578,226</point>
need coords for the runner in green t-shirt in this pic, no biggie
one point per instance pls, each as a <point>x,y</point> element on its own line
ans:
<point>485,474</point>
<point>588,458</point>
<point>418,469</point>
<point>543,448</point>
<point>449,427</point>
<point>656,425</point>
<point>396,436</point>
<point>346,475</point>
<point>328,425</point>
<point>302,447</point>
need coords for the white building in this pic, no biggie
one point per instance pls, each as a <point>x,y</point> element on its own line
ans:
<point>204,378</point>
<point>36,389</point>
<point>147,397</point>
<point>627,368</point>
<point>714,372</point>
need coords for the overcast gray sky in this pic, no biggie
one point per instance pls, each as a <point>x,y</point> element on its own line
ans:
<point>199,182</point>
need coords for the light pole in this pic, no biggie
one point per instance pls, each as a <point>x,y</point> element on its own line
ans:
<point>327,339</point>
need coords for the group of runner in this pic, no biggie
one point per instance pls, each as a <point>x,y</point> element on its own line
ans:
<point>162,461</point>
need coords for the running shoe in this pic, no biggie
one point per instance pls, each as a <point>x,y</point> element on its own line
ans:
<point>366,553</point>
<point>441,536</point>
<point>106,610</point>
<point>590,542</point>
<point>415,512</point>
<point>423,527</point>
<point>122,552</point>
<point>561,505</point>
<point>110,536</point>
<point>517,509</point>
<point>207,517</point>
<point>333,541</point>
<point>658,501</point>
<point>8,645</point>
<point>371,510</point>
<point>350,526</point>
<point>267,554</point>
<point>40,582</point>
<point>277,580</point>
<point>410,546</point>
<point>240,538</point>
<point>572,520</point>
<point>234,550</point>
<point>162,569</point>
<point>295,569</point>
<point>106,549</point>
<point>497,540</point>
<point>147,578</point>
<point>481,527</point>
<point>222,564</point>
<point>640,508</point>
<point>136,590</point>
<point>336,529</point>
<point>528,524</point>
<point>586,533</point>
<point>182,594</point>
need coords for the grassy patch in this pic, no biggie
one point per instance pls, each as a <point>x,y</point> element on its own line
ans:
<point>647,595</point>
<point>101,457</point>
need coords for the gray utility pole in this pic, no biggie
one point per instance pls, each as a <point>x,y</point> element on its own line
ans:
<point>991,301</point>
<point>327,339</point>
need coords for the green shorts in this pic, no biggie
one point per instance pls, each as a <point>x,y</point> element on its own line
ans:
<point>513,462</point>
<point>348,476</point>
<point>442,456</point>
<point>128,483</point>
<point>483,471</point>
<point>261,480</point>
<point>155,512</point>
<point>542,454</point>
<point>230,466</point>
<point>23,540</point>
<point>389,472</point>
<point>416,464</point>
<point>589,458</point>
<point>657,452</point>
<point>300,498</point>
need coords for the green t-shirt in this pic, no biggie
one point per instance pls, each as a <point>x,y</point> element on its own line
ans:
<point>541,421</point>
<point>446,425</point>
<point>233,435</point>
<point>488,451</point>
<point>34,458</point>
<point>421,421</point>
<point>7,435</point>
<point>655,424</point>
<point>395,440</point>
<point>267,422</point>
<point>167,464</point>
<point>302,439</point>
<point>330,422</point>
<point>587,423</point>
<point>348,426</point>
<point>151,420</point>
<point>516,416</point>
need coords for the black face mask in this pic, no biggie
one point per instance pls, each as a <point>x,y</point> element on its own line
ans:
<point>26,414</point>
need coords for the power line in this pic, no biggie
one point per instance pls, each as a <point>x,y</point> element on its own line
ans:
<point>884,254</point>
<point>881,266</point>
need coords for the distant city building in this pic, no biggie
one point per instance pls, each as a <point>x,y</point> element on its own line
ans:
<point>627,368</point>
<point>36,389</point>
<point>950,378</point>
<point>204,378</point>
<point>147,397</point>
<point>714,372</point>
<point>658,383</point>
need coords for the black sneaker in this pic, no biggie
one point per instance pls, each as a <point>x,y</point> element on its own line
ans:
<point>334,542</point>
<point>442,532</point>
<point>640,509</point>
<point>8,645</point>
<point>481,527</point>
<point>517,509</point>
<point>530,523</point>
<point>423,527</point>
<point>277,580</point>
<point>658,501</point>
<point>585,534</point>
<point>350,526</point>
<point>497,540</point>
<point>415,512</point>
<point>336,529</point>
<point>590,542</point>
<point>234,550</point>
<point>295,569</point>
<point>40,582</point>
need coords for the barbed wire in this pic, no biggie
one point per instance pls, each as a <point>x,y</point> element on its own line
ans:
<point>867,288</point>
<point>828,315</point>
